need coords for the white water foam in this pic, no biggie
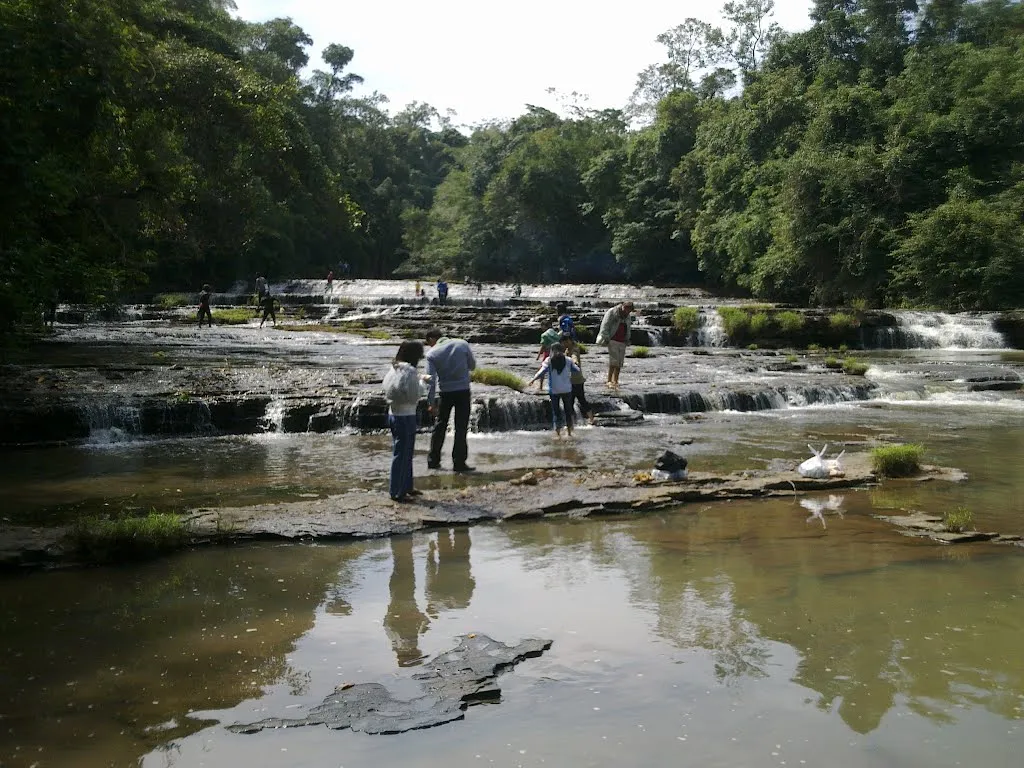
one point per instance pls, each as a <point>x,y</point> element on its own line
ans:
<point>941,330</point>
<point>711,329</point>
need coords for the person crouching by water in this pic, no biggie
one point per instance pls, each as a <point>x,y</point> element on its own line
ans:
<point>204,306</point>
<point>559,370</point>
<point>402,390</point>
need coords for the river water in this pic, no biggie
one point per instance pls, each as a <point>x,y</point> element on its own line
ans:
<point>729,634</point>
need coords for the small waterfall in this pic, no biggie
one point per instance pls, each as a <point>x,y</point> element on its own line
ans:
<point>747,401</point>
<point>711,329</point>
<point>506,414</point>
<point>111,422</point>
<point>273,418</point>
<point>940,330</point>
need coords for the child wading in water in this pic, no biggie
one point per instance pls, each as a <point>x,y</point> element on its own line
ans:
<point>559,371</point>
<point>550,336</point>
<point>572,351</point>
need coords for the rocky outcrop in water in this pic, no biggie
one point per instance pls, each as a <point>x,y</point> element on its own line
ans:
<point>452,681</point>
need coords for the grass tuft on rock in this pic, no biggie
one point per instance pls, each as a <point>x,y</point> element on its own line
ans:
<point>958,520</point>
<point>790,322</point>
<point>120,539</point>
<point>685,320</point>
<point>173,300</point>
<point>854,367</point>
<point>842,322</point>
<point>735,320</point>
<point>497,378</point>
<point>641,352</point>
<point>903,460</point>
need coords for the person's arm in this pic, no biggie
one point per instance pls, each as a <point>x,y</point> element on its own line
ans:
<point>540,372</point>
<point>432,373</point>
<point>470,358</point>
<point>540,352</point>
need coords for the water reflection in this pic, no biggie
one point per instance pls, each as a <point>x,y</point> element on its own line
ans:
<point>449,586</point>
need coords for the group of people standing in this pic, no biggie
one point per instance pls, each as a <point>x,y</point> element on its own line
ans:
<point>450,363</point>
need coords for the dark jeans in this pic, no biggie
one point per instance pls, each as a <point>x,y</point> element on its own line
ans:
<point>403,443</point>
<point>204,311</point>
<point>268,312</point>
<point>579,395</point>
<point>460,402</point>
<point>560,403</point>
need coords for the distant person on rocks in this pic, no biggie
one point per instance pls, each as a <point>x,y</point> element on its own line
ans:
<point>559,369</point>
<point>479,287</point>
<point>551,335</point>
<point>442,292</point>
<point>268,310</point>
<point>204,306</point>
<point>402,390</point>
<point>330,280</point>
<point>449,364</point>
<point>565,322</point>
<point>50,314</point>
<point>517,290</point>
<point>572,351</point>
<point>261,289</point>
<point>614,333</point>
<point>417,290</point>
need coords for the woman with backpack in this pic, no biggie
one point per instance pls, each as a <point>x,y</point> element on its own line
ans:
<point>559,370</point>
<point>402,390</point>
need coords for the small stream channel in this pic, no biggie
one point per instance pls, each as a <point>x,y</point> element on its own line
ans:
<point>724,634</point>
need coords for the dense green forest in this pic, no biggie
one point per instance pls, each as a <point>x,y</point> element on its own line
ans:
<point>875,158</point>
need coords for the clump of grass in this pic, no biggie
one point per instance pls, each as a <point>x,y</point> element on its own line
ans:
<point>497,378</point>
<point>832,364</point>
<point>581,347</point>
<point>160,355</point>
<point>958,520</point>
<point>790,322</point>
<point>172,300</point>
<point>752,347</point>
<point>901,460</point>
<point>843,349</point>
<point>734,319</point>
<point>842,322</point>
<point>231,316</point>
<point>685,320</point>
<point>854,367</point>
<point>813,348</point>
<point>760,322</point>
<point>641,352</point>
<point>111,540</point>
<point>859,305</point>
<point>792,358</point>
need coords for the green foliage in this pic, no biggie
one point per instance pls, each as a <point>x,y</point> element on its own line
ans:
<point>227,316</point>
<point>792,359</point>
<point>124,538</point>
<point>789,322</point>
<point>832,363</point>
<point>173,300</point>
<point>854,367</point>
<point>813,348</point>
<point>902,460</point>
<point>736,321</point>
<point>842,322</point>
<point>843,349</point>
<point>641,352</point>
<point>958,520</point>
<point>760,323</point>
<point>752,347</point>
<point>685,320</point>
<point>497,378</point>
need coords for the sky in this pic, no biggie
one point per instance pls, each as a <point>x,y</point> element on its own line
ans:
<point>489,60</point>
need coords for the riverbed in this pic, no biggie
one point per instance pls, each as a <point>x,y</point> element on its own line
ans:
<point>723,634</point>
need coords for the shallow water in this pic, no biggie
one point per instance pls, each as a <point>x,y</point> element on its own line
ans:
<point>732,634</point>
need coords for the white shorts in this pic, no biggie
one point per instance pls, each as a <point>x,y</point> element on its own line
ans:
<point>616,353</point>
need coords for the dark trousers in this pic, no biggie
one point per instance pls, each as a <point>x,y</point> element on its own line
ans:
<point>561,404</point>
<point>268,312</point>
<point>204,311</point>
<point>580,396</point>
<point>460,451</point>
<point>403,443</point>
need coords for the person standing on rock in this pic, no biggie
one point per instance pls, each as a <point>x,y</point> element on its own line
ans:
<point>267,302</point>
<point>402,390</point>
<point>442,292</point>
<point>449,364</point>
<point>579,394</point>
<point>330,280</point>
<point>615,327</point>
<point>261,289</point>
<point>559,370</point>
<point>204,306</point>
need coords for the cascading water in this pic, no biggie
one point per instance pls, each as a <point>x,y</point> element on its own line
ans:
<point>939,330</point>
<point>111,422</point>
<point>711,329</point>
<point>273,418</point>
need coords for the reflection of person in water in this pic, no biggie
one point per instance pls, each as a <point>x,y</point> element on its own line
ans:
<point>449,576</point>
<point>404,622</point>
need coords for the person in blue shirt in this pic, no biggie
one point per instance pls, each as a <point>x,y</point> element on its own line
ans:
<point>442,292</point>
<point>565,322</point>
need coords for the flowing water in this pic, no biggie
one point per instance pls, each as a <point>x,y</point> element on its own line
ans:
<point>795,631</point>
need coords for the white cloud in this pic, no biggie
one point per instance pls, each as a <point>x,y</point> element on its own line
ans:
<point>488,60</point>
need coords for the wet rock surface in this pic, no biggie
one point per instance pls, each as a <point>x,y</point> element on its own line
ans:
<point>924,525</point>
<point>451,682</point>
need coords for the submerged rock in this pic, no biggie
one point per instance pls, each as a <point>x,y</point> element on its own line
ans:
<point>452,681</point>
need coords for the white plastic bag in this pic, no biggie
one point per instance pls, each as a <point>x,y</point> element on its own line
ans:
<point>818,467</point>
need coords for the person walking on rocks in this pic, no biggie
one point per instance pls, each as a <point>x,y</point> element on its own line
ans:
<point>615,327</point>
<point>579,394</point>
<point>267,302</point>
<point>559,370</point>
<point>442,292</point>
<point>402,390</point>
<point>204,306</point>
<point>261,289</point>
<point>449,364</point>
<point>550,336</point>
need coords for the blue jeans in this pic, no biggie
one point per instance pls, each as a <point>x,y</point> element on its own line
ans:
<point>403,442</point>
<point>560,404</point>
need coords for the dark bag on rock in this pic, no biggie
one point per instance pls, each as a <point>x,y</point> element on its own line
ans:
<point>670,462</point>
